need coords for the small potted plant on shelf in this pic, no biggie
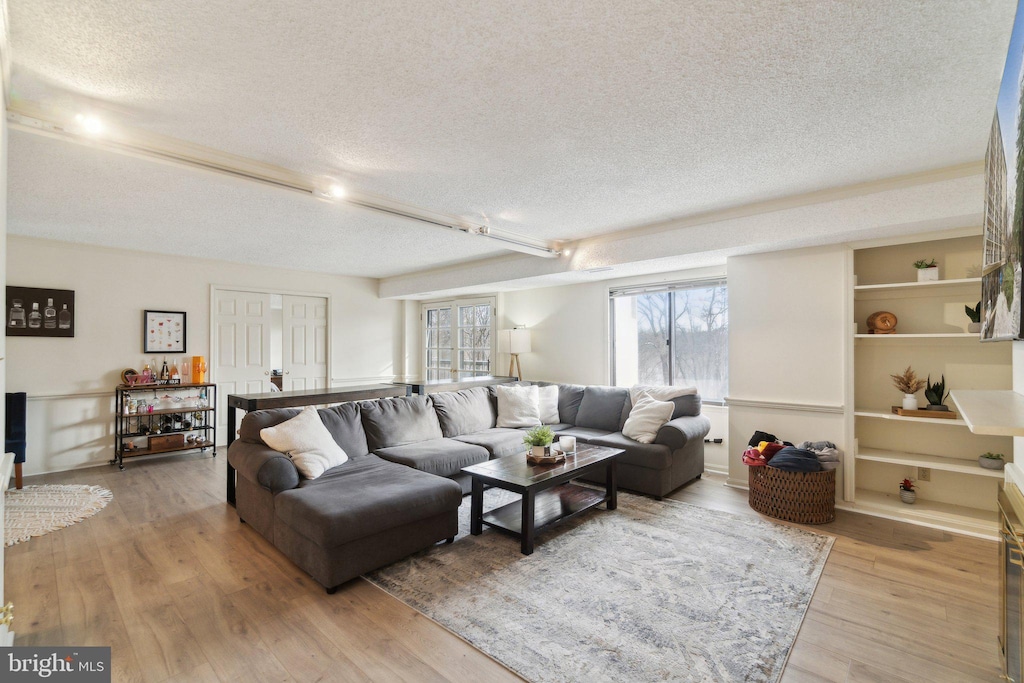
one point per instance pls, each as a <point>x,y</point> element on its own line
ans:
<point>927,271</point>
<point>975,315</point>
<point>991,461</point>
<point>539,439</point>
<point>907,493</point>
<point>909,384</point>
<point>936,394</point>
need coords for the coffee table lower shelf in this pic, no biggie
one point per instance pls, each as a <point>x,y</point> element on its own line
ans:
<point>550,507</point>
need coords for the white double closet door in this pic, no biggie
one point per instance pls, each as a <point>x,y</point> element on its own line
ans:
<point>253,337</point>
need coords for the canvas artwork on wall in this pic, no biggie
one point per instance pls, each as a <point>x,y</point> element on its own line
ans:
<point>1004,203</point>
<point>35,312</point>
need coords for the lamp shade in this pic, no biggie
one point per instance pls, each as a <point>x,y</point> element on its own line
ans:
<point>518,340</point>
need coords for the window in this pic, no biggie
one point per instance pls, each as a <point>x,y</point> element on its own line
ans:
<point>672,335</point>
<point>458,339</point>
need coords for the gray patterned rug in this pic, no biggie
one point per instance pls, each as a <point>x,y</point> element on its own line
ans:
<point>653,591</point>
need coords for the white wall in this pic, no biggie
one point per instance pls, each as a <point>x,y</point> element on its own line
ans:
<point>70,381</point>
<point>788,347</point>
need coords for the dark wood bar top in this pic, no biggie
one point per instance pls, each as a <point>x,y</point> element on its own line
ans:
<point>307,397</point>
<point>423,387</point>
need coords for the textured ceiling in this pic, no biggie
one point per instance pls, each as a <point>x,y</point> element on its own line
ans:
<point>73,193</point>
<point>555,120</point>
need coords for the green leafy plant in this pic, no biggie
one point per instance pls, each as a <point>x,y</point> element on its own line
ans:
<point>908,383</point>
<point>925,264</point>
<point>973,313</point>
<point>906,485</point>
<point>992,456</point>
<point>539,436</point>
<point>936,393</point>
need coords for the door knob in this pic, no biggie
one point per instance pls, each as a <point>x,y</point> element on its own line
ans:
<point>287,372</point>
<point>266,372</point>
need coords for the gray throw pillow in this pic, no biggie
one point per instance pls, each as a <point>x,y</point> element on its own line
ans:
<point>602,408</point>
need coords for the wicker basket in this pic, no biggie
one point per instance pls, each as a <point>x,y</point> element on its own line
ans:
<point>801,497</point>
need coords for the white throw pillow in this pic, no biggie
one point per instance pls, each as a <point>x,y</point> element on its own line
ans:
<point>659,393</point>
<point>518,406</point>
<point>548,407</point>
<point>306,440</point>
<point>646,418</point>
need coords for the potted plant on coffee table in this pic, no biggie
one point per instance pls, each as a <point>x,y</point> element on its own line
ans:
<point>927,270</point>
<point>539,439</point>
<point>907,493</point>
<point>909,384</point>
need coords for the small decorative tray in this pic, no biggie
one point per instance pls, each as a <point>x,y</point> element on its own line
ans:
<point>940,414</point>
<point>556,456</point>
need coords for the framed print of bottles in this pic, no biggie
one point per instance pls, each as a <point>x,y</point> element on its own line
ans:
<point>163,332</point>
<point>35,312</point>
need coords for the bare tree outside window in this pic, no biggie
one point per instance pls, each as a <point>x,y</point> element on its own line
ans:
<point>677,337</point>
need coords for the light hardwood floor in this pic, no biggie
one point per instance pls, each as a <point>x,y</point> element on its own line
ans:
<point>168,577</point>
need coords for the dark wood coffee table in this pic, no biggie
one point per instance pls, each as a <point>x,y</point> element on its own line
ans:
<point>548,497</point>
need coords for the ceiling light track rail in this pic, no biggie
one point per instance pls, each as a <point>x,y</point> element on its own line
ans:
<point>41,126</point>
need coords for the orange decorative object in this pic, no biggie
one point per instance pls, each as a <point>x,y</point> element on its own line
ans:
<point>198,369</point>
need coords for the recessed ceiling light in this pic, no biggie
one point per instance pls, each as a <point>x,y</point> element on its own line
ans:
<point>336,191</point>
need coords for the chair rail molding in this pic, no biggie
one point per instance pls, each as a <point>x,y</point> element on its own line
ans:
<point>783,405</point>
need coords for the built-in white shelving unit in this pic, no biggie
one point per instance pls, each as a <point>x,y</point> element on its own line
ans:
<point>940,454</point>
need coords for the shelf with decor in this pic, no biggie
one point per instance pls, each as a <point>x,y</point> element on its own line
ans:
<point>935,462</point>
<point>163,419</point>
<point>934,514</point>
<point>932,284</point>
<point>953,491</point>
<point>928,335</point>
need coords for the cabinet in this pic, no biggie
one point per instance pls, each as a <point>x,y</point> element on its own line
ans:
<point>954,492</point>
<point>166,418</point>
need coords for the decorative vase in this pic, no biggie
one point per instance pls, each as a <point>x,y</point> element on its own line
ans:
<point>933,406</point>
<point>908,497</point>
<point>541,451</point>
<point>909,402</point>
<point>974,328</point>
<point>991,463</point>
<point>928,274</point>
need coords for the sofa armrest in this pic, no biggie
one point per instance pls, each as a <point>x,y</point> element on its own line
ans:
<point>264,466</point>
<point>683,430</point>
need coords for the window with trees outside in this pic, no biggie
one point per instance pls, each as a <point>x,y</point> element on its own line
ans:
<point>458,339</point>
<point>672,335</point>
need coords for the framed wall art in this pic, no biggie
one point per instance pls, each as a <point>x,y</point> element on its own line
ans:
<point>163,332</point>
<point>35,312</point>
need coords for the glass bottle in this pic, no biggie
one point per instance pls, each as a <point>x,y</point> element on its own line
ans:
<point>50,316</point>
<point>165,372</point>
<point>17,318</point>
<point>64,318</point>
<point>147,374</point>
<point>35,319</point>
<point>174,370</point>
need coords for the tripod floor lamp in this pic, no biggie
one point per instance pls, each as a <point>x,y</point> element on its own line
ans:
<point>518,342</point>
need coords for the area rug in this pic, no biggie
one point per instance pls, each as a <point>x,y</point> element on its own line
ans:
<point>38,510</point>
<point>656,590</point>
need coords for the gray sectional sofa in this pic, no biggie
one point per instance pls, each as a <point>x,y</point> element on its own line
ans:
<point>401,489</point>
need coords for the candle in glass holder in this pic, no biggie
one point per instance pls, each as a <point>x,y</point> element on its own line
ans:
<point>567,444</point>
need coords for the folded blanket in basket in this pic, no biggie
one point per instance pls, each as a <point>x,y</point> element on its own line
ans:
<point>791,459</point>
